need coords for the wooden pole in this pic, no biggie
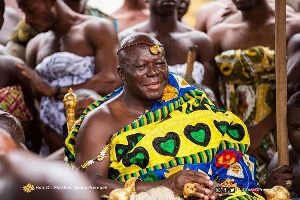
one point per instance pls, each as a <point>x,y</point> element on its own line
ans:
<point>281,82</point>
<point>191,57</point>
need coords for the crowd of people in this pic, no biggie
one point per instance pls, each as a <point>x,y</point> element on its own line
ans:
<point>189,111</point>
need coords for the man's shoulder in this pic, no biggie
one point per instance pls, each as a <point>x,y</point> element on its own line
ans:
<point>40,38</point>
<point>92,21</point>
<point>139,28</point>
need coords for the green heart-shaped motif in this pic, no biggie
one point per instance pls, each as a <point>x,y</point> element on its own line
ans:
<point>122,149</point>
<point>199,134</point>
<point>221,126</point>
<point>168,145</point>
<point>236,132</point>
<point>139,156</point>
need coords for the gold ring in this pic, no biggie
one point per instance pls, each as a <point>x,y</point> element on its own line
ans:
<point>289,183</point>
<point>189,189</point>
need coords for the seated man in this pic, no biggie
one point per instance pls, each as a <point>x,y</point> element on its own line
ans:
<point>16,95</point>
<point>283,175</point>
<point>71,50</point>
<point>246,66</point>
<point>161,130</point>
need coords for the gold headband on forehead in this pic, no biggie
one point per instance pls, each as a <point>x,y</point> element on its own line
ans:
<point>153,48</point>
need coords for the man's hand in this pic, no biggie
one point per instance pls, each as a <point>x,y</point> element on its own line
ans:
<point>36,81</point>
<point>280,176</point>
<point>205,187</point>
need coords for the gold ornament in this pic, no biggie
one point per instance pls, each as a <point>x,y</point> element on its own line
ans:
<point>289,183</point>
<point>155,49</point>
<point>70,102</point>
<point>277,193</point>
<point>189,189</point>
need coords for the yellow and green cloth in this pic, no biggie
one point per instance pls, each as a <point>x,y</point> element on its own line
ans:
<point>249,86</point>
<point>182,131</point>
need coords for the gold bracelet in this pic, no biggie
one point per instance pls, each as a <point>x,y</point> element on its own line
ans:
<point>130,185</point>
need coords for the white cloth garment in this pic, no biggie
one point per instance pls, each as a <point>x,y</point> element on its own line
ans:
<point>197,74</point>
<point>63,69</point>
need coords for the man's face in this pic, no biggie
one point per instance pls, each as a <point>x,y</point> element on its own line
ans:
<point>163,7</point>
<point>145,75</point>
<point>1,12</point>
<point>183,7</point>
<point>38,14</point>
<point>244,5</point>
<point>294,128</point>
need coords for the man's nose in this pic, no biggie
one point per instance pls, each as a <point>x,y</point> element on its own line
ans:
<point>153,70</point>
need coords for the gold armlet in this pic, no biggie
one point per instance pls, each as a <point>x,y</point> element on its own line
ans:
<point>99,158</point>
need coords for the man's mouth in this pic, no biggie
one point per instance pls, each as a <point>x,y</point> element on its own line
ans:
<point>153,86</point>
<point>169,3</point>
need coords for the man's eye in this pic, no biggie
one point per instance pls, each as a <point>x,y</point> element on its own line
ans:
<point>161,64</point>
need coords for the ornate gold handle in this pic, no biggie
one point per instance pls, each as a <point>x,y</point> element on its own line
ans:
<point>70,102</point>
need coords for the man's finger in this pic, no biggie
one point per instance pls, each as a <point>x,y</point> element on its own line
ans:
<point>283,169</point>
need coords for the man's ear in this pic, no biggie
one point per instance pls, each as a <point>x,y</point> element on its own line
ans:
<point>120,72</point>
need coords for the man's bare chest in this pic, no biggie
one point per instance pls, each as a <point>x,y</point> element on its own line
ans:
<point>247,38</point>
<point>75,44</point>
<point>176,49</point>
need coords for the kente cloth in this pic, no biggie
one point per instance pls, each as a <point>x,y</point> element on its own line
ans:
<point>183,130</point>
<point>197,74</point>
<point>249,81</point>
<point>12,101</point>
<point>63,69</point>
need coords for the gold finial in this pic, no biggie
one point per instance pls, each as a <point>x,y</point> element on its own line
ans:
<point>277,193</point>
<point>70,102</point>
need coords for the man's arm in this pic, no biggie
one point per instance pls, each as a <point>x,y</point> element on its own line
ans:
<point>104,41</point>
<point>103,38</point>
<point>260,130</point>
<point>32,50</point>
<point>293,65</point>
<point>202,17</point>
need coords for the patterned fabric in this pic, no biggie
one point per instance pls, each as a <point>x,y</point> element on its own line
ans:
<point>97,13</point>
<point>12,101</point>
<point>63,69</point>
<point>22,33</point>
<point>249,77</point>
<point>197,74</point>
<point>204,139</point>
